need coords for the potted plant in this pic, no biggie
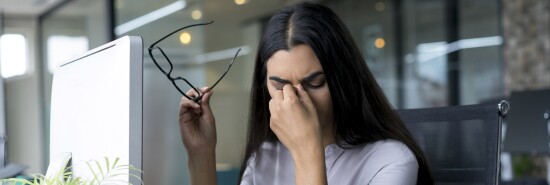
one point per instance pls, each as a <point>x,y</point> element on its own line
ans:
<point>103,174</point>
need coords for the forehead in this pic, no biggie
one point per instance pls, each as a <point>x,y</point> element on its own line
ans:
<point>299,60</point>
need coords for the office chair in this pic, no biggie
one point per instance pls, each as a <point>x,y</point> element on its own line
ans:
<point>461,143</point>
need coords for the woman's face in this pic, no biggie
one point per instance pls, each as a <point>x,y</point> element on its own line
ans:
<point>300,65</point>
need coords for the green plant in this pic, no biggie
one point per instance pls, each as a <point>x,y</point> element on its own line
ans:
<point>523,165</point>
<point>102,175</point>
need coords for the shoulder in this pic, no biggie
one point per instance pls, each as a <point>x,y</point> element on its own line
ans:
<point>271,161</point>
<point>268,150</point>
<point>380,162</point>
<point>380,154</point>
<point>388,149</point>
<point>393,161</point>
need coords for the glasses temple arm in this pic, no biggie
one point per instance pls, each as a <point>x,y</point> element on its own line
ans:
<point>230,64</point>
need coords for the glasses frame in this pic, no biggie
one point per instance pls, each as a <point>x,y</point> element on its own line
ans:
<point>168,73</point>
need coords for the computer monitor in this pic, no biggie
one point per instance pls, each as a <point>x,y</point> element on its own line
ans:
<point>96,107</point>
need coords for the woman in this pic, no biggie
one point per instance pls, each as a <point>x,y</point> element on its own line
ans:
<point>317,115</point>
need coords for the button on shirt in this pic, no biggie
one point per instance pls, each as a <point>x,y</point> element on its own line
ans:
<point>382,162</point>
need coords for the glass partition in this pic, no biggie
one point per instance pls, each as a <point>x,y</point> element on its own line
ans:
<point>416,49</point>
<point>66,31</point>
<point>405,43</point>
<point>481,65</point>
<point>164,160</point>
<point>425,74</point>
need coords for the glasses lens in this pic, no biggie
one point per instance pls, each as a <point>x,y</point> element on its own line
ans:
<point>184,86</point>
<point>161,61</point>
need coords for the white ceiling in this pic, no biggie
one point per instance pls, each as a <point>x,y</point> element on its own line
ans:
<point>25,7</point>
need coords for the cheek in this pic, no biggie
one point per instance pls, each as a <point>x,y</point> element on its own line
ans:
<point>270,89</point>
<point>322,101</point>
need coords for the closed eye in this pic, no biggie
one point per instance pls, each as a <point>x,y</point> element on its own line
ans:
<point>316,84</point>
<point>278,85</point>
<point>313,81</point>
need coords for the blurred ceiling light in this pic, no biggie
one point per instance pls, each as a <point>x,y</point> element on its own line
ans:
<point>241,2</point>
<point>185,38</point>
<point>379,6</point>
<point>196,14</point>
<point>150,17</point>
<point>379,43</point>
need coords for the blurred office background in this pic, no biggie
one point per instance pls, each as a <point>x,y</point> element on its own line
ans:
<point>424,53</point>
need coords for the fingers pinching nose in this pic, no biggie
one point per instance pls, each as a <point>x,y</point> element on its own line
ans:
<point>298,87</point>
<point>289,91</point>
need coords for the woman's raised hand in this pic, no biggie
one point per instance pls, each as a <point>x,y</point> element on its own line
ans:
<point>197,124</point>
<point>294,119</point>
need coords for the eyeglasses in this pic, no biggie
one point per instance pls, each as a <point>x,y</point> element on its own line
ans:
<point>165,65</point>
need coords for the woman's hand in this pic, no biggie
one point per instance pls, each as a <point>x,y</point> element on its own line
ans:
<point>294,119</point>
<point>197,124</point>
<point>198,132</point>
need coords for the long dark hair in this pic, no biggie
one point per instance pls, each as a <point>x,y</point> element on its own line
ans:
<point>361,112</point>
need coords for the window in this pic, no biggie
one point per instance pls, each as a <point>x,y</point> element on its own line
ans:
<point>13,55</point>
<point>62,48</point>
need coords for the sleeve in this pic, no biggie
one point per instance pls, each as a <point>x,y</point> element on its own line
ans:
<point>402,172</point>
<point>248,175</point>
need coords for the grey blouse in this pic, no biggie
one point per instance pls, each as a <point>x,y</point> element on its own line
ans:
<point>382,162</point>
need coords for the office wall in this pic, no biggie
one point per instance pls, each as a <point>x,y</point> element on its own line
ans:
<point>526,31</point>
<point>23,106</point>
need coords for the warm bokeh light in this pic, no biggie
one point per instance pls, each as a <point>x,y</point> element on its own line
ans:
<point>379,43</point>
<point>185,38</point>
<point>196,14</point>
<point>380,6</point>
<point>241,2</point>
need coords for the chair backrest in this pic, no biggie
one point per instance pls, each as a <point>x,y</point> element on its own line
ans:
<point>461,143</point>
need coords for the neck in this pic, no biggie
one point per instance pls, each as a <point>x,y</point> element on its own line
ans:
<point>328,135</point>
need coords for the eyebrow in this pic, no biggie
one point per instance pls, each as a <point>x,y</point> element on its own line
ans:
<point>308,78</point>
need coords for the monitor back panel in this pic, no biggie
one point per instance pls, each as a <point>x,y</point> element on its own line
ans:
<point>96,108</point>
